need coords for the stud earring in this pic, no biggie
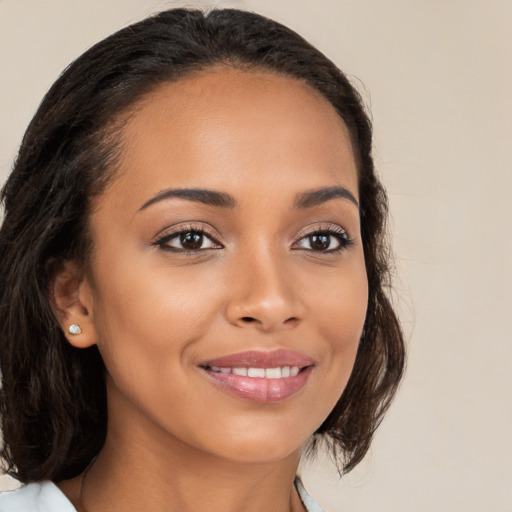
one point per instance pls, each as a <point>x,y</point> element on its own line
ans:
<point>74,329</point>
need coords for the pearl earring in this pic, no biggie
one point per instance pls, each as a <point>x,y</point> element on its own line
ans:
<point>74,329</point>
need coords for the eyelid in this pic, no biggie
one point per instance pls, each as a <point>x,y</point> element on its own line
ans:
<point>329,229</point>
<point>168,233</point>
<point>321,228</point>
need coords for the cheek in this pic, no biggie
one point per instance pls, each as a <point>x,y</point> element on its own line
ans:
<point>339,316</point>
<point>146,313</point>
<point>340,305</point>
<point>341,320</point>
<point>150,326</point>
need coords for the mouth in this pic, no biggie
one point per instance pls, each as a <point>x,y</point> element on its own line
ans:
<point>262,377</point>
<point>258,373</point>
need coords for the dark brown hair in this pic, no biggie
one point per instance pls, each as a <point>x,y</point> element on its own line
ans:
<point>53,400</point>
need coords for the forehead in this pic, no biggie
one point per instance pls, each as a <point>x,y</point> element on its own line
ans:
<point>231,127</point>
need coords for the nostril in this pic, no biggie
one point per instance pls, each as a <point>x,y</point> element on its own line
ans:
<point>248,319</point>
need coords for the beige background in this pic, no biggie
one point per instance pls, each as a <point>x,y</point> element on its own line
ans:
<point>438,78</point>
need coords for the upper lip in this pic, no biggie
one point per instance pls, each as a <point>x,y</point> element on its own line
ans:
<point>261,359</point>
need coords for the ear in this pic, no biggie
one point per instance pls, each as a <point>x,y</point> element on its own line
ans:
<point>72,301</point>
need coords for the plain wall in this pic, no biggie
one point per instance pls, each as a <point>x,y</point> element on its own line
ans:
<point>438,78</point>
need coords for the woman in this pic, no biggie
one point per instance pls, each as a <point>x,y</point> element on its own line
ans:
<point>192,274</point>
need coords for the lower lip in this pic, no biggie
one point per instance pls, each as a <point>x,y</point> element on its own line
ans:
<point>261,390</point>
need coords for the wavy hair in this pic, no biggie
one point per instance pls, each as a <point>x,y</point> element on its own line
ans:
<point>53,399</point>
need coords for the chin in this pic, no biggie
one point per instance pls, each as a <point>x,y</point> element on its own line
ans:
<point>259,445</point>
<point>262,452</point>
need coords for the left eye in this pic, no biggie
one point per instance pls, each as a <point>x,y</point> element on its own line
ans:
<point>190,240</point>
<point>324,242</point>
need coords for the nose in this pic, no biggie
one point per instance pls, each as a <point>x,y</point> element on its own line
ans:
<point>263,294</point>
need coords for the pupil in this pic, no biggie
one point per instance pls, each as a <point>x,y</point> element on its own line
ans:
<point>191,240</point>
<point>320,241</point>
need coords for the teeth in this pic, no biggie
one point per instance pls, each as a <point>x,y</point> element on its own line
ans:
<point>256,372</point>
<point>273,373</point>
<point>267,373</point>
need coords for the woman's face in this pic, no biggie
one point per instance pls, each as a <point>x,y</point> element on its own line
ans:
<point>228,288</point>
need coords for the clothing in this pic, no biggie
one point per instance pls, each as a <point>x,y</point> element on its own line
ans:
<point>309,503</point>
<point>36,497</point>
<point>47,497</point>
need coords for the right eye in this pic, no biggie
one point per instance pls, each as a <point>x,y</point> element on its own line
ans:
<point>187,240</point>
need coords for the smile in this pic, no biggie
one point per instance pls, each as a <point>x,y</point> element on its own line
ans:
<point>262,373</point>
<point>263,377</point>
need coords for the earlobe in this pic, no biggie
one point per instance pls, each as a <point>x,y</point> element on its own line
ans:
<point>71,298</point>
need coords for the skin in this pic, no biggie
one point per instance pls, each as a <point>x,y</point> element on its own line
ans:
<point>176,440</point>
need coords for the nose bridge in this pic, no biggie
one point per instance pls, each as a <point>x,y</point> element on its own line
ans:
<point>263,292</point>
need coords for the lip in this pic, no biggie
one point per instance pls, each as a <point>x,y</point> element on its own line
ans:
<point>261,390</point>
<point>261,359</point>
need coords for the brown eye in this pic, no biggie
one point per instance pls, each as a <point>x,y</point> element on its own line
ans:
<point>325,241</point>
<point>191,241</point>
<point>320,242</point>
<point>187,240</point>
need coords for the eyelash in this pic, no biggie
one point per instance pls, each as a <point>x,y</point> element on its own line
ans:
<point>164,240</point>
<point>341,236</point>
<point>337,232</point>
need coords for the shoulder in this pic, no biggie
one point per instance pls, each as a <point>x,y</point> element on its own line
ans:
<point>35,497</point>
<point>309,503</point>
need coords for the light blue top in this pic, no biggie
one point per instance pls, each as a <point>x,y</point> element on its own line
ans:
<point>47,497</point>
<point>36,497</point>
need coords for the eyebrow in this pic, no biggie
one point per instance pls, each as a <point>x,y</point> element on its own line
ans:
<point>209,197</point>
<point>322,195</point>
<point>307,199</point>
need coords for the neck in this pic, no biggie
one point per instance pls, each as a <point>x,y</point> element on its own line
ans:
<point>144,468</point>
